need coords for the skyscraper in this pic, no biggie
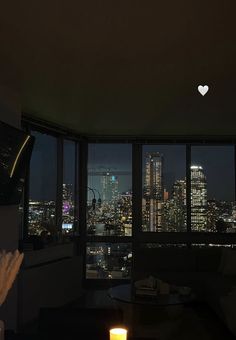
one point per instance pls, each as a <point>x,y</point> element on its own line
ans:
<point>198,199</point>
<point>110,185</point>
<point>153,192</point>
<point>67,196</point>
<point>179,198</point>
<point>67,192</point>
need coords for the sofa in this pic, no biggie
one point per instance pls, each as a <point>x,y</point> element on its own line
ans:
<point>210,272</point>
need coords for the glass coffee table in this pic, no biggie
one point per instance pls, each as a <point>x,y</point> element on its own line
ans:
<point>123,293</point>
<point>151,316</point>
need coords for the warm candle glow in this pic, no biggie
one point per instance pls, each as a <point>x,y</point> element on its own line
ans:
<point>118,334</point>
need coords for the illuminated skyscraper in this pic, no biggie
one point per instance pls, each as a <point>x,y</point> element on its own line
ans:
<point>110,185</point>
<point>114,188</point>
<point>153,192</point>
<point>67,192</point>
<point>174,208</point>
<point>198,199</point>
<point>179,199</point>
<point>213,215</point>
<point>67,207</point>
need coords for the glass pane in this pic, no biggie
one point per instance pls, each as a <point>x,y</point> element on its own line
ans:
<point>108,261</point>
<point>164,188</point>
<point>109,199</point>
<point>212,189</point>
<point>43,187</point>
<point>68,203</point>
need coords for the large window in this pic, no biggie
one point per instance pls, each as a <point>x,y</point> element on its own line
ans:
<point>164,188</point>
<point>133,195</point>
<point>52,211</point>
<point>109,210</point>
<point>109,197</point>
<point>43,186</point>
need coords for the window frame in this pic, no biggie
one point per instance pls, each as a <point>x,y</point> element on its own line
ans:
<point>138,236</point>
<point>61,136</point>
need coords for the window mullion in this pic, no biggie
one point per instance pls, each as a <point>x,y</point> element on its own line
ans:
<point>59,197</point>
<point>76,190</point>
<point>188,186</point>
<point>83,176</point>
<point>136,202</point>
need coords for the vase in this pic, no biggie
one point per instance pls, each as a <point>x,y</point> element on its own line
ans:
<point>2,330</point>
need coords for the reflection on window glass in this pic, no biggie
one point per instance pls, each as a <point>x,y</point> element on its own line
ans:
<point>211,245</point>
<point>212,189</point>
<point>109,198</point>
<point>108,261</point>
<point>68,202</point>
<point>43,187</point>
<point>163,245</point>
<point>164,188</point>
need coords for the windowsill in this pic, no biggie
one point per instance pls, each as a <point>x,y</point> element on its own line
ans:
<point>44,255</point>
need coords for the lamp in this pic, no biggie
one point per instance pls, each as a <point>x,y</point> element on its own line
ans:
<point>94,198</point>
<point>99,199</point>
<point>94,201</point>
<point>118,334</point>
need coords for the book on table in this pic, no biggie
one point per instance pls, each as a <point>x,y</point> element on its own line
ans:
<point>146,291</point>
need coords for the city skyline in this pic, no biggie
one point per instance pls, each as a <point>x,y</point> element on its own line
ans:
<point>110,184</point>
<point>167,203</point>
<point>218,162</point>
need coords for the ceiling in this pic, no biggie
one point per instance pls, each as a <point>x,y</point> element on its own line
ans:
<point>123,67</point>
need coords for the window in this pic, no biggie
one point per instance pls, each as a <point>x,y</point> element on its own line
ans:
<point>164,188</point>
<point>184,195</point>
<point>213,189</point>
<point>109,198</point>
<point>43,186</point>
<point>52,194</point>
<point>108,261</point>
<point>109,211</point>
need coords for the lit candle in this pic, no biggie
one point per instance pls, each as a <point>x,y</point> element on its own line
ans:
<point>118,334</point>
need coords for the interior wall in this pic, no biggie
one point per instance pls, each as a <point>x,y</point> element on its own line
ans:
<point>51,284</point>
<point>10,113</point>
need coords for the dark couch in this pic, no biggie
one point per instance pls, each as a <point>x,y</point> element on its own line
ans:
<point>197,268</point>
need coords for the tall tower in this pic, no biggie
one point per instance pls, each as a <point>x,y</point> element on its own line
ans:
<point>114,188</point>
<point>153,193</point>
<point>67,198</point>
<point>67,192</point>
<point>110,185</point>
<point>179,199</point>
<point>198,199</point>
<point>106,194</point>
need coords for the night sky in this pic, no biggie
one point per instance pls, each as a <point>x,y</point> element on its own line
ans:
<point>217,163</point>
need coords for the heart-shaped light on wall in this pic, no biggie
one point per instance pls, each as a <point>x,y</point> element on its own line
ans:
<point>203,89</point>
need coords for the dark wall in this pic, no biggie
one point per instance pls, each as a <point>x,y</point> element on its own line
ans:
<point>9,217</point>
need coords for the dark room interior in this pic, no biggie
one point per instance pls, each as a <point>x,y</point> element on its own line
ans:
<point>117,170</point>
